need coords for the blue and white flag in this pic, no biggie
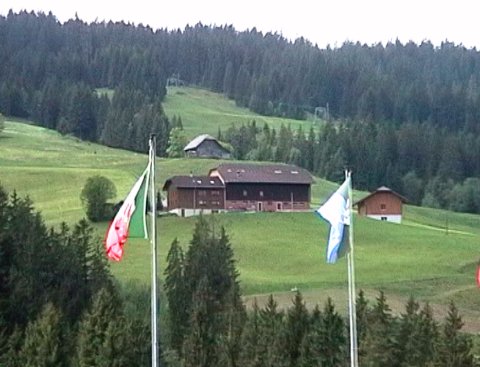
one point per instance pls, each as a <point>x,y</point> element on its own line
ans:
<point>336,211</point>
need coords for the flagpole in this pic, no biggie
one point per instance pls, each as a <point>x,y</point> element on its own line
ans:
<point>351,282</point>
<point>154,251</point>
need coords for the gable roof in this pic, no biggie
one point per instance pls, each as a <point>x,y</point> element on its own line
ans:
<point>194,182</point>
<point>382,189</point>
<point>264,173</point>
<point>199,140</point>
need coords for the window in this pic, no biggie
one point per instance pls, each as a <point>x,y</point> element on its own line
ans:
<point>202,193</point>
<point>383,206</point>
<point>215,193</point>
<point>384,218</point>
<point>245,193</point>
<point>261,193</point>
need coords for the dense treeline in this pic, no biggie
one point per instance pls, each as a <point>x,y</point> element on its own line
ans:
<point>51,72</point>
<point>430,166</point>
<point>269,74</point>
<point>409,113</point>
<point>59,306</point>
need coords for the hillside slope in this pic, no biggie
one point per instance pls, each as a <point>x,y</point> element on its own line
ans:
<point>275,251</point>
<point>205,112</point>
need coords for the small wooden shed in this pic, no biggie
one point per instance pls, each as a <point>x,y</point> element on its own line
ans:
<point>382,204</point>
<point>206,146</point>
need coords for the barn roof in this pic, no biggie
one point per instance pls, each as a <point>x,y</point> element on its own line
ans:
<point>197,182</point>
<point>198,140</point>
<point>263,173</point>
<point>382,189</point>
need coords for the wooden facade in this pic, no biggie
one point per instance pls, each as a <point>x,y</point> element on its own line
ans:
<point>240,187</point>
<point>206,146</point>
<point>273,187</point>
<point>383,204</point>
<point>189,195</point>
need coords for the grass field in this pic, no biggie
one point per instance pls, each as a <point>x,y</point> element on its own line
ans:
<point>275,252</point>
<point>204,112</point>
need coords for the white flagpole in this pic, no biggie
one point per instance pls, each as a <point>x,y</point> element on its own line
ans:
<point>154,251</point>
<point>351,283</point>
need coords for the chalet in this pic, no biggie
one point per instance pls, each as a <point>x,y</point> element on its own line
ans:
<point>190,195</point>
<point>382,204</point>
<point>206,146</point>
<point>264,187</point>
<point>240,187</point>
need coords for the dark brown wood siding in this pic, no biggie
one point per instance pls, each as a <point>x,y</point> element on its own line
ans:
<point>201,198</point>
<point>267,197</point>
<point>382,203</point>
<point>260,192</point>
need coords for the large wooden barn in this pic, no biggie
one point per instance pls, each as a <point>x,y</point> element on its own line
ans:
<point>206,146</point>
<point>240,187</point>
<point>382,204</point>
<point>264,187</point>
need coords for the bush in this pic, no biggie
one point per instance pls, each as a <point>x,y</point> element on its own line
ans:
<point>95,194</point>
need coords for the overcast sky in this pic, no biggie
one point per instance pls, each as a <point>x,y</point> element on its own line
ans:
<point>323,22</point>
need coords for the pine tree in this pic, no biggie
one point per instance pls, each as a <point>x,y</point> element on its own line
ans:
<point>297,326</point>
<point>250,339</point>
<point>271,350</point>
<point>455,348</point>
<point>42,346</point>
<point>100,337</point>
<point>406,348</point>
<point>199,348</point>
<point>378,349</point>
<point>176,295</point>
<point>10,358</point>
<point>331,341</point>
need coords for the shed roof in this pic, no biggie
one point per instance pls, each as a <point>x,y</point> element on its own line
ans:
<point>198,140</point>
<point>192,182</point>
<point>382,189</point>
<point>263,173</point>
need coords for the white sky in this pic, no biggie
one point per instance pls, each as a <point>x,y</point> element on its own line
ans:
<point>322,22</point>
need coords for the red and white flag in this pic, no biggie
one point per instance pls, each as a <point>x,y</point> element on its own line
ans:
<point>129,220</point>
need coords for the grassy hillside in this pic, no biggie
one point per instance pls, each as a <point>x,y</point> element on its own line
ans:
<point>204,112</point>
<point>275,251</point>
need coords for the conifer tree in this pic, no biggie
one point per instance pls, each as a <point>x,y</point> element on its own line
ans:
<point>12,348</point>
<point>42,346</point>
<point>272,335</point>
<point>455,347</point>
<point>406,348</point>
<point>199,348</point>
<point>100,338</point>
<point>378,349</point>
<point>176,295</point>
<point>297,326</point>
<point>249,355</point>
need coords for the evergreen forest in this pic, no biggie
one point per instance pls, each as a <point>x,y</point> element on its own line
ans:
<point>73,313</point>
<point>402,115</point>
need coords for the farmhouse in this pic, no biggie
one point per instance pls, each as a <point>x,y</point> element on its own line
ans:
<point>382,204</point>
<point>206,146</point>
<point>190,195</point>
<point>260,187</point>
<point>240,187</point>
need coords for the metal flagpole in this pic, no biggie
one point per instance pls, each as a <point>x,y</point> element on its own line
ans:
<point>351,282</point>
<point>153,233</point>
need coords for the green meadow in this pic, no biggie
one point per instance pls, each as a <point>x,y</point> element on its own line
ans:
<point>432,255</point>
<point>203,112</point>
